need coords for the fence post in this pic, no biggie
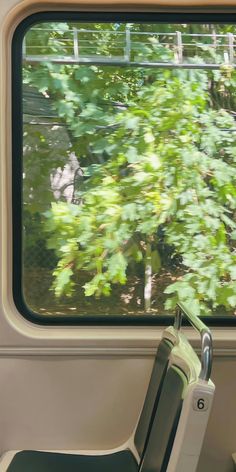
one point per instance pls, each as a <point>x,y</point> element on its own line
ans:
<point>231,47</point>
<point>24,48</point>
<point>179,47</point>
<point>127,44</point>
<point>76,44</point>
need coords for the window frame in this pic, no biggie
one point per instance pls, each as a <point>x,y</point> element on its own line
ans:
<point>17,148</point>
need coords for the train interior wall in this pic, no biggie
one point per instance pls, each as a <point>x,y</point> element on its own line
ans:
<point>90,402</point>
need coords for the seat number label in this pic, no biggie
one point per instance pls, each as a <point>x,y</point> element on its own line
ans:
<point>200,403</point>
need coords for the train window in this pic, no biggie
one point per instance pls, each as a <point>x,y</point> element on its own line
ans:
<point>124,167</point>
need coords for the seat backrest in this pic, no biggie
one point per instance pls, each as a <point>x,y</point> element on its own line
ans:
<point>163,430</point>
<point>178,425</point>
<point>154,390</point>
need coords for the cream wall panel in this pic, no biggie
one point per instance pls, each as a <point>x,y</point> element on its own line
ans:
<point>70,403</point>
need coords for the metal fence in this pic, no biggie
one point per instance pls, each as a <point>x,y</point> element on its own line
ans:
<point>149,49</point>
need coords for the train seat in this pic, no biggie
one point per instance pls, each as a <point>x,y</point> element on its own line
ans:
<point>172,423</point>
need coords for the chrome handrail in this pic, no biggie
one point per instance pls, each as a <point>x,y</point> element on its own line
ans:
<point>206,338</point>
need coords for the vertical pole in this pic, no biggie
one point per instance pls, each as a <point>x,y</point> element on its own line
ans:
<point>179,47</point>
<point>148,279</point>
<point>127,44</point>
<point>214,37</point>
<point>178,318</point>
<point>76,44</point>
<point>231,47</point>
<point>24,48</point>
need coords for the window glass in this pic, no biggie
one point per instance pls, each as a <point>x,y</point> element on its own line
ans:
<point>128,169</point>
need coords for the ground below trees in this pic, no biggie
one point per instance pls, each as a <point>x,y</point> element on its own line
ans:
<point>124,299</point>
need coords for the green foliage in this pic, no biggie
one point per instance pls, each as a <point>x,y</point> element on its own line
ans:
<point>156,153</point>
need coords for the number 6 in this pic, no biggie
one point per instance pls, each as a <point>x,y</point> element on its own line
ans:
<point>200,404</point>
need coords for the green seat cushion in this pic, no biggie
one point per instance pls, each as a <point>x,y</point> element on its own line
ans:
<point>35,461</point>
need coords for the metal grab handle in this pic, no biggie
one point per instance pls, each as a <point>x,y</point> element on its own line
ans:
<point>206,338</point>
